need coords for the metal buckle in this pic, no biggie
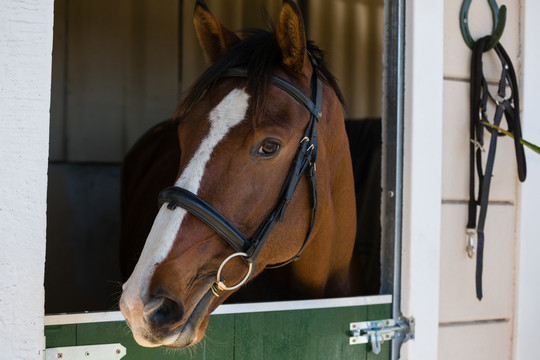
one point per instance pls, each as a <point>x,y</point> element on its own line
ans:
<point>471,247</point>
<point>499,99</point>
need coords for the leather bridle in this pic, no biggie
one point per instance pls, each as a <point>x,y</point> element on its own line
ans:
<point>507,106</point>
<point>303,163</point>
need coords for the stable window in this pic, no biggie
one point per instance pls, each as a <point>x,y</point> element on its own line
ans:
<point>117,70</point>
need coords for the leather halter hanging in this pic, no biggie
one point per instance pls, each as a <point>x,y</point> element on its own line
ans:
<point>303,163</point>
<point>507,106</point>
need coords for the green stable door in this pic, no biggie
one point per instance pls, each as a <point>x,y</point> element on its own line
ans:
<point>304,330</point>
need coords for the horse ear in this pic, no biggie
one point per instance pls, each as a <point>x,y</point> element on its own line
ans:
<point>291,38</point>
<point>215,39</point>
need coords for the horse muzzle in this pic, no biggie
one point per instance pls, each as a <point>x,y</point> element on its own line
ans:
<point>163,320</point>
<point>163,314</point>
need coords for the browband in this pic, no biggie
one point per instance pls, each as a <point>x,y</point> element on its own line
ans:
<point>286,86</point>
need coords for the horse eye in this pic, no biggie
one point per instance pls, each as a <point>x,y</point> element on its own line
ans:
<point>268,148</point>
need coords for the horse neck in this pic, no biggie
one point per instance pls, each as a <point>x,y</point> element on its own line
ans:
<point>325,267</point>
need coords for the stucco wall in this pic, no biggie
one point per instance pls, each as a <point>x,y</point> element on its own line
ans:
<point>25,63</point>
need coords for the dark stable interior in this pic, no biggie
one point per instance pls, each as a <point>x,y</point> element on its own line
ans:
<point>100,229</point>
<point>117,70</point>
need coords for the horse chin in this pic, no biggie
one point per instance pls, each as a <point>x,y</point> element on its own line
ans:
<point>193,329</point>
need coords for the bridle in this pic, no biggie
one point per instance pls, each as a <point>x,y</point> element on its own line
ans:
<point>507,106</point>
<point>303,163</point>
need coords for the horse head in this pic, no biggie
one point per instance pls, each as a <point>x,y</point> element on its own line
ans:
<point>242,132</point>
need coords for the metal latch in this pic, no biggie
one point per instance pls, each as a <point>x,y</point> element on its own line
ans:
<point>86,352</point>
<point>376,332</point>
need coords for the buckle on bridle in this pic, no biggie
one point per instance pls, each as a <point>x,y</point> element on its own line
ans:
<point>499,99</point>
<point>471,247</point>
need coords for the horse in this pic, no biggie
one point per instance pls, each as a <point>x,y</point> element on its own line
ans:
<point>264,180</point>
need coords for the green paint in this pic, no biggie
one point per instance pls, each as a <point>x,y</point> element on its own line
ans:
<point>280,335</point>
<point>60,335</point>
<point>306,334</point>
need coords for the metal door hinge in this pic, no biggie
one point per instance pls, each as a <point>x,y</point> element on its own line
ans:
<point>376,332</point>
<point>86,352</point>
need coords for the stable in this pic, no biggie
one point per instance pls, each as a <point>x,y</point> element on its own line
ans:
<point>114,75</point>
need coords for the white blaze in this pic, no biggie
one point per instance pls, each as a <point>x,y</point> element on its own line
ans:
<point>227,114</point>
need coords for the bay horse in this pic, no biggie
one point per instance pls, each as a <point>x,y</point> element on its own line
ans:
<point>265,176</point>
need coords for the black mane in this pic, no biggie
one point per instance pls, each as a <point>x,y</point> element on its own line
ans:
<point>260,54</point>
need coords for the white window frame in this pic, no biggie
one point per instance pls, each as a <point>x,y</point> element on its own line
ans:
<point>422,174</point>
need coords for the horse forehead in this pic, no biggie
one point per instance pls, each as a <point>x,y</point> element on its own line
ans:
<point>221,105</point>
<point>230,111</point>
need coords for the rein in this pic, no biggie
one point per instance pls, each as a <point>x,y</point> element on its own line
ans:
<point>507,106</point>
<point>303,163</point>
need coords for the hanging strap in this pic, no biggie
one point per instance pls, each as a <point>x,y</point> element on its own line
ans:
<point>507,106</point>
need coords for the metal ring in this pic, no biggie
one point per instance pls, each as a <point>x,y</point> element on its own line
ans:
<point>218,276</point>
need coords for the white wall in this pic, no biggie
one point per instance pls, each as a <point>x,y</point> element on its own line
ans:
<point>468,328</point>
<point>438,277</point>
<point>25,63</point>
<point>503,325</point>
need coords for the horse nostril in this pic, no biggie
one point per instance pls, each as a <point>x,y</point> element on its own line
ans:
<point>161,311</point>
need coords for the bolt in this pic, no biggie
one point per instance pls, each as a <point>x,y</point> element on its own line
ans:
<point>87,354</point>
<point>118,351</point>
<point>391,194</point>
<point>59,355</point>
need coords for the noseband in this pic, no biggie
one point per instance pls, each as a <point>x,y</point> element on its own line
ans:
<point>303,163</point>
